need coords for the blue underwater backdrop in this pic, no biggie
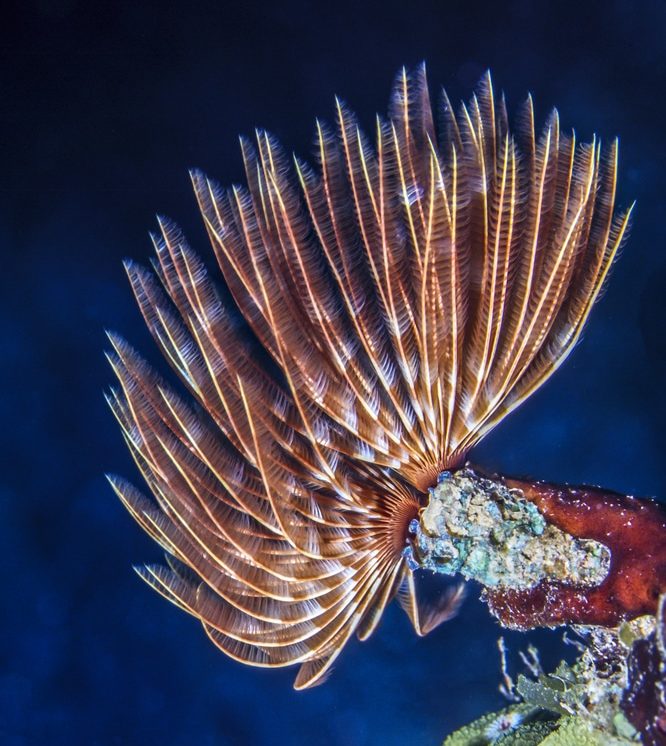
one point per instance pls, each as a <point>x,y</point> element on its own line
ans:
<point>102,111</point>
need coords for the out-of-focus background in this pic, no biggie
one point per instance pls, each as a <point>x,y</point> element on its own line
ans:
<point>102,111</point>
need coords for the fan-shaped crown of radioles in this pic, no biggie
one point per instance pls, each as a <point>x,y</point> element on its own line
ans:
<point>410,291</point>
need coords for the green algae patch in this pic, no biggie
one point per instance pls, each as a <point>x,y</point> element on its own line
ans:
<point>512,726</point>
<point>521,725</point>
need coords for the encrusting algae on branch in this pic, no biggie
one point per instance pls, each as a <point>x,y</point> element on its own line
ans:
<point>545,554</point>
<point>633,529</point>
<point>487,532</point>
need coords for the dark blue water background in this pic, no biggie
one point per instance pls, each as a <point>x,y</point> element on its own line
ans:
<point>102,111</point>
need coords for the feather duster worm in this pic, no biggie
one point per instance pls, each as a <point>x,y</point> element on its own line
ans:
<point>410,291</point>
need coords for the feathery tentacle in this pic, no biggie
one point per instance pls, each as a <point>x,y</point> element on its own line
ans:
<point>410,293</point>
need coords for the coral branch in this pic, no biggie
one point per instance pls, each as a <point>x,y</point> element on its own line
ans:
<point>546,554</point>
